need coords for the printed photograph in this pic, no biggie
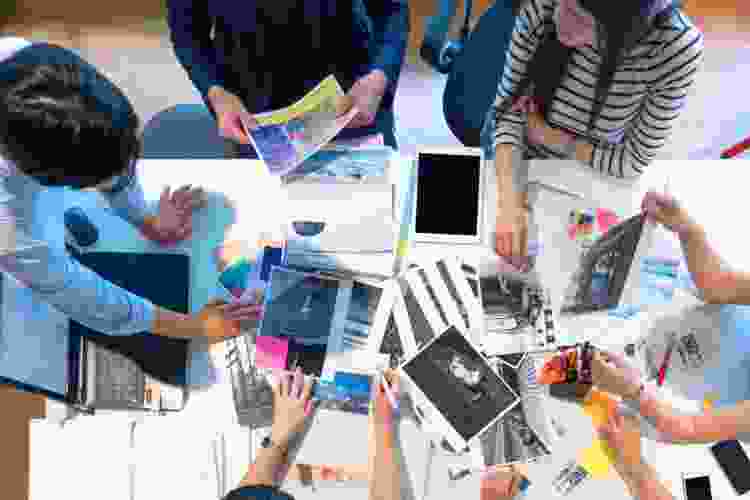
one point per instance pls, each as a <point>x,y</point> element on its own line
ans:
<point>460,383</point>
<point>344,164</point>
<point>448,280</point>
<point>599,279</point>
<point>420,326</point>
<point>391,344</point>
<point>512,440</point>
<point>299,306</point>
<point>360,316</point>
<point>275,147</point>
<point>349,392</point>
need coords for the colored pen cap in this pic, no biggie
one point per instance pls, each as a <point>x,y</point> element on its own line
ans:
<point>524,485</point>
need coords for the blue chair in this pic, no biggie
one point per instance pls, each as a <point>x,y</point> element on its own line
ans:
<point>473,64</point>
<point>184,131</point>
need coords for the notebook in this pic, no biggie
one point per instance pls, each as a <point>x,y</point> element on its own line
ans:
<point>95,370</point>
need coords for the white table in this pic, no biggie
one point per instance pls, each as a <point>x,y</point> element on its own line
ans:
<point>258,206</point>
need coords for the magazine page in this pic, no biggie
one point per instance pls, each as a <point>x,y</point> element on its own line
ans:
<point>334,163</point>
<point>287,137</point>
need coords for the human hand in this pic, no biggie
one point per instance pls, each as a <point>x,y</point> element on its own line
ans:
<point>173,222</point>
<point>500,482</point>
<point>231,115</point>
<point>383,411</point>
<point>623,436</point>
<point>291,406</point>
<point>511,231</point>
<point>610,372</point>
<point>666,210</point>
<point>219,320</point>
<point>366,95</point>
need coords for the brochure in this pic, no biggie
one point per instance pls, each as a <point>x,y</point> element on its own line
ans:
<point>285,138</point>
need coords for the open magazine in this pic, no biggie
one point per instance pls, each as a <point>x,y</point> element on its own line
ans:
<point>285,138</point>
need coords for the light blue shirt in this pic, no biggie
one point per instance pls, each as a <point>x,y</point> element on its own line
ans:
<point>32,250</point>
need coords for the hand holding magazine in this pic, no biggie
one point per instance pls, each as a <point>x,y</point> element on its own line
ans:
<point>285,138</point>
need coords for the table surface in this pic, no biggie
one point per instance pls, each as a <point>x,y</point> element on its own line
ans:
<point>258,206</point>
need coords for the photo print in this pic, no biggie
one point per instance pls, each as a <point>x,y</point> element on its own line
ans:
<point>348,392</point>
<point>599,280</point>
<point>512,440</point>
<point>300,305</point>
<point>461,385</point>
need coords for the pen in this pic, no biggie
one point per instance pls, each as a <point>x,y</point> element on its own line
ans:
<point>665,363</point>
<point>558,189</point>
<point>388,393</point>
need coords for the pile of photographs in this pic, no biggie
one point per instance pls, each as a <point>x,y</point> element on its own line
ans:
<point>517,315</point>
<point>524,434</point>
<point>456,388</point>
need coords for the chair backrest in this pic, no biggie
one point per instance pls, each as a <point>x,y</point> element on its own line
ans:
<point>184,131</point>
<point>475,73</point>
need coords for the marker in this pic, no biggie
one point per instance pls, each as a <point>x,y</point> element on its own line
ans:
<point>660,270</point>
<point>388,393</point>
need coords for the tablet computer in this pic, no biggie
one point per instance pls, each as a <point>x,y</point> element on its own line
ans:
<point>449,196</point>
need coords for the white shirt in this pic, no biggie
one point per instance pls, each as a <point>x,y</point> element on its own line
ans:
<point>32,250</point>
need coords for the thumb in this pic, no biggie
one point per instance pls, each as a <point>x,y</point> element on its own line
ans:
<point>165,195</point>
<point>344,104</point>
<point>216,302</point>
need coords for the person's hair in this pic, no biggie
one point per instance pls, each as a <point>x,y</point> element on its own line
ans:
<point>620,26</point>
<point>266,493</point>
<point>63,123</point>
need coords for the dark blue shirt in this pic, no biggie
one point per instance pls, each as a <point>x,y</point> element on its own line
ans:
<point>385,22</point>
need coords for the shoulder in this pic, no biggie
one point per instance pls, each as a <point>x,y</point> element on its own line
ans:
<point>673,34</point>
<point>9,45</point>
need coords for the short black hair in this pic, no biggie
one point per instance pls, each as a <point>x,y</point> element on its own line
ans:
<point>258,493</point>
<point>62,122</point>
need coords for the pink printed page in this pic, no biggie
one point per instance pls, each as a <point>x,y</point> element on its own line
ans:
<point>271,352</point>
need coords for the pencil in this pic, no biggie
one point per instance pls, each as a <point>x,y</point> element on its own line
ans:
<point>388,393</point>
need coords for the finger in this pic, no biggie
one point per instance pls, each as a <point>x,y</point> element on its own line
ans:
<point>250,313</point>
<point>307,391</point>
<point>298,383</point>
<point>513,484</point>
<point>344,104</point>
<point>197,198</point>
<point>284,384</point>
<point>164,198</point>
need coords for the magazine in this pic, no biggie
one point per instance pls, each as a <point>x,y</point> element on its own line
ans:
<point>335,163</point>
<point>287,137</point>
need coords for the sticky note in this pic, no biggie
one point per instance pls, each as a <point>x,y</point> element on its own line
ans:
<point>597,458</point>
<point>599,406</point>
<point>572,230</point>
<point>271,352</point>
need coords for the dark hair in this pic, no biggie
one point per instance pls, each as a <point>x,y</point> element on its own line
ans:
<point>62,122</point>
<point>258,493</point>
<point>620,26</point>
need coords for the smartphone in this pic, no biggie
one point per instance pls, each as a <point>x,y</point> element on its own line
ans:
<point>696,486</point>
<point>735,464</point>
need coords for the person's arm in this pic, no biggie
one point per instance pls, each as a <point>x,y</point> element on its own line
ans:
<point>716,425</point>
<point>509,127</point>
<point>386,470</point>
<point>190,30</point>
<point>642,480</point>
<point>128,201</point>
<point>716,281</point>
<point>651,127</point>
<point>390,22</point>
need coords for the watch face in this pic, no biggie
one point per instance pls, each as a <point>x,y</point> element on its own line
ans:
<point>266,443</point>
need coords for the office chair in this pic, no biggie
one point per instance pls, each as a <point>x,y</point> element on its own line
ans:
<point>184,131</point>
<point>473,63</point>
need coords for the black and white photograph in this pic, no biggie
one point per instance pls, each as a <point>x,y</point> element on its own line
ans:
<point>510,305</point>
<point>391,344</point>
<point>460,383</point>
<point>512,440</point>
<point>599,279</point>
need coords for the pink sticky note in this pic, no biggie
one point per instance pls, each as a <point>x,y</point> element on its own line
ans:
<point>606,219</point>
<point>271,352</point>
<point>572,230</point>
